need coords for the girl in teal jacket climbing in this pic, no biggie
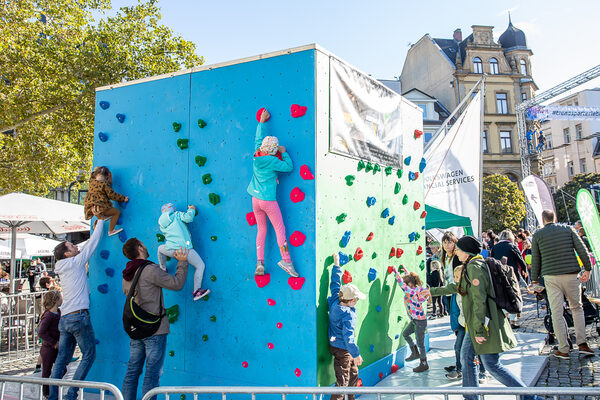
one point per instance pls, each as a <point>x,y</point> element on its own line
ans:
<point>269,159</point>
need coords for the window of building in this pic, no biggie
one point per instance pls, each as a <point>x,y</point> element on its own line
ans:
<point>523,64</point>
<point>501,103</point>
<point>578,132</point>
<point>566,135</point>
<point>477,65</point>
<point>424,108</point>
<point>493,66</point>
<point>428,136</point>
<point>548,142</point>
<point>505,142</point>
<point>484,141</point>
<point>570,168</point>
<point>575,103</point>
<point>523,96</point>
<point>582,166</point>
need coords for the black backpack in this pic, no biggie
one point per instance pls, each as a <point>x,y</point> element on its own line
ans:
<point>139,323</point>
<point>505,286</point>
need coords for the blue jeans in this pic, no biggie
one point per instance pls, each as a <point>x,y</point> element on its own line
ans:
<point>151,350</point>
<point>460,336</point>
<point>492,365</point>
<point>75,329</point>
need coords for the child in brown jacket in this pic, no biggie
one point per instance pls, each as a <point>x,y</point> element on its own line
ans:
<point>97,201</point>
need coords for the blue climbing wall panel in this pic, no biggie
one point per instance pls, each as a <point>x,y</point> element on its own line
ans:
<point>235,337</point>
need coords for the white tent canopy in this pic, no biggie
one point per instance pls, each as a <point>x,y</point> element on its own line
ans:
<point>30,245</point>
<point>5,251</point>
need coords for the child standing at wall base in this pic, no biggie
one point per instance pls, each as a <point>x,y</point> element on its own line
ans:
<point>97,201</point>
<point>269,159</point>
<point>173,225</point>
<point>342,326</point>
<point>415,296</point>
<point>49,333</point>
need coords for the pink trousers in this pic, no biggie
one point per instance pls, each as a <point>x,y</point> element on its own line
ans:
<point>263,209</point>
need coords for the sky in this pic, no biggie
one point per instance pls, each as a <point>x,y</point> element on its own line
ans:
<point>375,35</point>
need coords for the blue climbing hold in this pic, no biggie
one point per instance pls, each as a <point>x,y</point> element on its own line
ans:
<point>343,258</point>
<point>370,201</point>
<point>392,220</point>
<point>396,337</point>
<point>378,308</point>
<point>423,228</point>
<point>371,348</point>
<point>97,341</point>
<point>407,161</point>
<point>411,176</point>
<point>104,105</point>
<point>102,136</point>
<point>372,274</point>
<point>123,204</point>
<point>412,236</point>
<point>345,239</point>
<point>122,236</point>
<point>385,213</point>
<point>110,272</point>
<point>422,165</point>
<point>104,254</point>
<point>103,288</point>
<point>121,117</point>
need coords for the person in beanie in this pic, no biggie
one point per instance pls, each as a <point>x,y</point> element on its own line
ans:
<point>488,330</point>
<point>342,326</point>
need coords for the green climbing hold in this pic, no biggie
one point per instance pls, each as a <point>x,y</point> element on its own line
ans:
<point>350,180</point>
<point>397,188</point>
<point>160,237</point>
<point>168,258</point>
<point>205,298</point>
<point>405,199</point>
<point>341,218</point>
<point>422,265</point>
<point>195,212</point>
<point>201,123</point>
<point>350,257</point>
<point>369,167</point>
<point>213,318</point>
<point>176,126</point>
<point>388,171</point>
<point>200,161</point>
<point>373,256</point>
<point>213,238</point>
<point>205,338</point>
<point>376,168</point>
<point>361,165</point>
<point>182,397</point>
<point>182,143</point>
<point>399,318</point>
<point>214,199</point>
<point>399,173</point>
<point>213,278</point>
<point>171,353</point>
<point>172,313</point>
<point>417,236</point>
<point>206,179</point>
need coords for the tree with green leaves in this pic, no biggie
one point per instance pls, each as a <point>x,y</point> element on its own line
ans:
<point>53,55</point>
<point>565,197</point>
<point>503,203</point>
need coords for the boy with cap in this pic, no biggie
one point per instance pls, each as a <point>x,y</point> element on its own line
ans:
<point>342,324</point>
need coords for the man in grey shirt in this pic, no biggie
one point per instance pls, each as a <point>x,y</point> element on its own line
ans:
<point>148,295</point>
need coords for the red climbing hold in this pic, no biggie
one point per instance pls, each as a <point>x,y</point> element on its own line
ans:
<point>271,302</point>
<point>417,205</point>
<point>423,214</point>
<point>359,382</point>
<point>296,283</point>
<point>358,254</point>
<point>305,173</point>
<point>390,269</point>
<point>392,252</point>
<point>298,372</point>
<point>370,237</point>
<point>251,218</point>
<point>416,176</point>
<point>298,111</point>
<point>381,375</point>
<point>270,345</point>
<point>420,250</point>
<point>399,252</point>
<point>297,238</point>
<point>395,368</point>
<point>418,133</point>
<point>258,113</point>
<point>245,364</point>
<point>262,280</point>
<point>279,325</point>
<point>296,195</point>
<point>347,277</point>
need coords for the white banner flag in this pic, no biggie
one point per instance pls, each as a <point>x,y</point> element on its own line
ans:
<point>452,176</point>
<point>538,195</point>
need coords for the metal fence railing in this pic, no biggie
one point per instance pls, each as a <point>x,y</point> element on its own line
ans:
<point>21,387</point>
<point>19,315</point>
<point>376,392</point>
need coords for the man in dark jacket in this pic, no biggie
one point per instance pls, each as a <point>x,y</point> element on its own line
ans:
<point>553,256</point>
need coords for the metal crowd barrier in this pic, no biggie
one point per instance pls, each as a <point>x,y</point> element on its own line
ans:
<point>380,392</point>
<point>62,384</point>
<point>19,314</point>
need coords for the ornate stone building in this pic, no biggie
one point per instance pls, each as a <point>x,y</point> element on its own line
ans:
<point>447,69</point>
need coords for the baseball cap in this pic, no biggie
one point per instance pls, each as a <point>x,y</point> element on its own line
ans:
<point>351,292</point>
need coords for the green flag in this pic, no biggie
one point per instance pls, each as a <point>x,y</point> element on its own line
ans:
<point>586,207</point>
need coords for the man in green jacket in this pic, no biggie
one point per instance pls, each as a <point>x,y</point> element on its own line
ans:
<point>553,256</point>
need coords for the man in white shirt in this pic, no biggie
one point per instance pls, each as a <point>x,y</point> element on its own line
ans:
<point>75,325</point>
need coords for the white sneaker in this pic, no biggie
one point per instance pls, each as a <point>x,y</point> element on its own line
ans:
<point>288,267</point>
<point>115,232</point>
<point>260,269</point>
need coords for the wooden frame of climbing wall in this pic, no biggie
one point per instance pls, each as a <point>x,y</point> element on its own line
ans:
<point>188,138</point>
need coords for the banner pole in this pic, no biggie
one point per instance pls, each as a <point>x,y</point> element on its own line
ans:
<point>481,155</point>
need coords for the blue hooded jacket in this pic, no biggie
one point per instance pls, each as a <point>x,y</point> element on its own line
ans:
<point>263,185</point>
<point>342,319</point>
<point>173,226</point>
